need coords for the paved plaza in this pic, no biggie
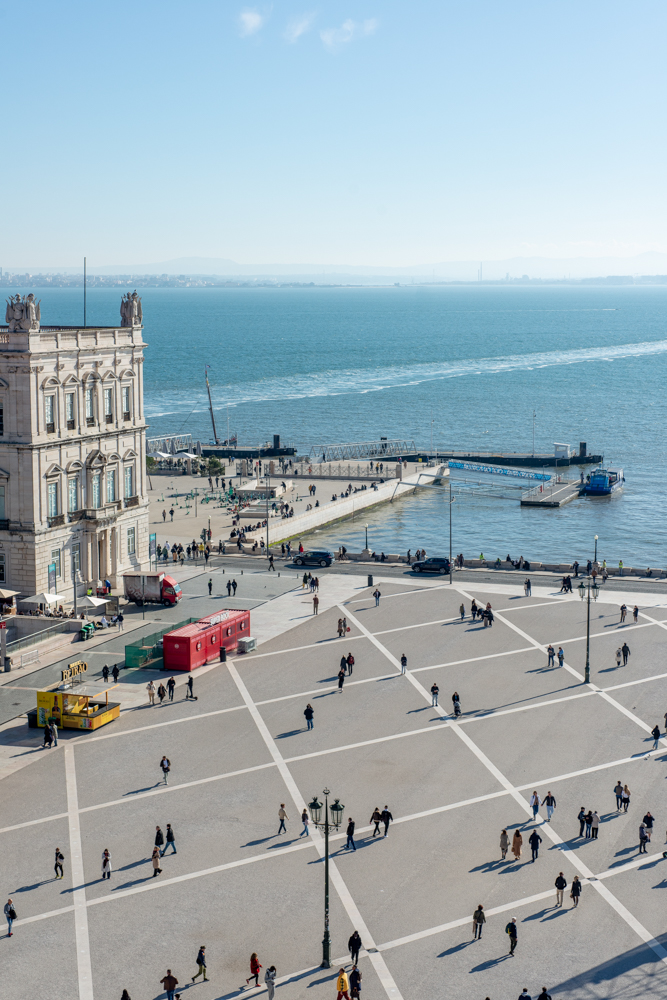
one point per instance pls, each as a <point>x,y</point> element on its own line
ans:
<point>242,749</point>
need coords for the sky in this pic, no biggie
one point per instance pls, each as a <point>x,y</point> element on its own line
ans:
<point>343,132</point>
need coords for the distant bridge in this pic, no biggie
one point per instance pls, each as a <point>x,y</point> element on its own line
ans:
<point>363,450</point>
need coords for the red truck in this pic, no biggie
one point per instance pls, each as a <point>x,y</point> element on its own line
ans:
<point>151,588</point>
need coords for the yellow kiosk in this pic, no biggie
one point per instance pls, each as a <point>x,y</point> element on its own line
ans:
<point>86,708</point>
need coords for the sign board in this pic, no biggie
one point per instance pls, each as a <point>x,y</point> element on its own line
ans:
<point>214,619</point>
<point>152,545</point>
<point>73,670</point>
<point>52,578</point>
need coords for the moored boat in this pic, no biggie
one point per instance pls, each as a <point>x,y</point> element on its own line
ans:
<point>603,482</point>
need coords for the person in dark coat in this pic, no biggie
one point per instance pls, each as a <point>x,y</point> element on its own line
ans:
<point>582,821</point>
<point>575,890</point>
<point>115,673</point>
<point>341,679</point>
<point>387,818</point>
<point>534,840</point>
<point>350,837</point>
<point>309,712</point>
<point>354,947</point>
<point>159,838</point>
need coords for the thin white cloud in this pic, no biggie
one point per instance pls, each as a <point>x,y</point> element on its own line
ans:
<point>349,30</point>
<point>250,21</point>
<point>298,27</point>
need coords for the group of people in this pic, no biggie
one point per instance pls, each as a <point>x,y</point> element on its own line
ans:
<point>485,615</point>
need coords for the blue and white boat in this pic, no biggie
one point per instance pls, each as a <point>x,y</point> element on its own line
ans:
<point>603,482</point>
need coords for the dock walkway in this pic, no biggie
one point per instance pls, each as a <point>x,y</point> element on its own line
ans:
<point>551,494</point>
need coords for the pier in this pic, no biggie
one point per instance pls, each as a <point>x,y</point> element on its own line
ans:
<point>551,494</point>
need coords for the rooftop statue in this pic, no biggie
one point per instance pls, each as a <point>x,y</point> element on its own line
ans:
<point>22,314</point>
<point>130,310</point>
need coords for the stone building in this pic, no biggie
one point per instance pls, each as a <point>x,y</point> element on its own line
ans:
<point>72,451</point>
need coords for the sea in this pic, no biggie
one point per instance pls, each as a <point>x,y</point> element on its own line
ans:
<point>458,366</point>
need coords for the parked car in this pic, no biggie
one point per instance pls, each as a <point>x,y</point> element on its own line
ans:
<point>432,565</point>
<point>314,557</point>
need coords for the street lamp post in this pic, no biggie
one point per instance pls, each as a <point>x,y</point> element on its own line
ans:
<point>595,559</point>
<point>451,501</point>
<point>336,811</point>
<point>366,526</point>
<point>583,589</point>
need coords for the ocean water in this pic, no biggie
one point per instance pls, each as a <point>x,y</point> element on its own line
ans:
<point>462,366</point>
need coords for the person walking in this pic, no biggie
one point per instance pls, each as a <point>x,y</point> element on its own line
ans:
<point>188,688</point>
<point>54,732</point>
<point>155,859</point>
<point>350,664</point>
<point>575,891</point>
<point>106,864</point>
<point>58,866</point>
<point>171,684</point>
<point>350,839</point>
<point>48,736</point>
<point>170,983</point>
<point>619,656</point>
<point>535,804</point>
<point>544,995</point>
<point>643,839</point>
<point>625,796</point>
<point>210,587</point>
<point>534,840</point>
<point>342,985</point>
<point>462,611</point>
<point>377,595</point>
<point>316,604</point>
<point>354,946</point>
<point>355,983</point>
<point>595,823</point>
<point>150,687</point>
<point>478,921</point>
<point>201,962</point>
<point>255,966</point>
<point>648,823</point>
<point>162,693</point>
<point>170,839</point>
<point>435,691</point>
<point>635,614</point>
<point>234,586</point>
<point>625,649</point>
<point>387,818</point>
<point>115,672</point>
<point>513,933</point>
<point>624,611</point>
<point>655,733</point>
<point>404,663</point>
<point>270,980</point>
<point>105,673</point>
<point>517,843</point>
<point>341,679</point>
<point>550,802</point>
<point>309,712</point>
<point>377,819</point>
<point>618,792</point>
<point>282,816</point>
<point>159,839</point>
<point>120,618</point>
<point>561,886</point>
<point>229,588</point>
<point>305,821</point>
<point>271,566</point>
<point>10,916</point>
<point>504,844</point>
<point>165,765</point>
<point>582,821</point>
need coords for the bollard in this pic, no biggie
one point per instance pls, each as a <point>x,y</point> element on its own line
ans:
<point>370,580</point>
<point>223,654</point>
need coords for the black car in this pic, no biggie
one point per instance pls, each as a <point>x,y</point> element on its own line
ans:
<point>314,557</point>
<point>433,565</point>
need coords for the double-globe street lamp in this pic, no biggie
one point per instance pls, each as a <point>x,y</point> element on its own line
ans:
<point>591,588</point>
<point>336,811</point>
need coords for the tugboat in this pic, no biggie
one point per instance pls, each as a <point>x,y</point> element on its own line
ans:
<point>603,482</point>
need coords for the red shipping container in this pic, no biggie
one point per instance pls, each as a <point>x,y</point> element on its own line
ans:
<point>192,646</point>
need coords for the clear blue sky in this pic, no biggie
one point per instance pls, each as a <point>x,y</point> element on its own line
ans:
<point>354,131</point>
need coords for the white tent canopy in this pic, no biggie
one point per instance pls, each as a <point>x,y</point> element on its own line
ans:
<point>45,599</point>
<point>90,602</point>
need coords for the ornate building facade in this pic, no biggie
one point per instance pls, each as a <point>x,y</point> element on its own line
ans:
<point>72,451</point>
